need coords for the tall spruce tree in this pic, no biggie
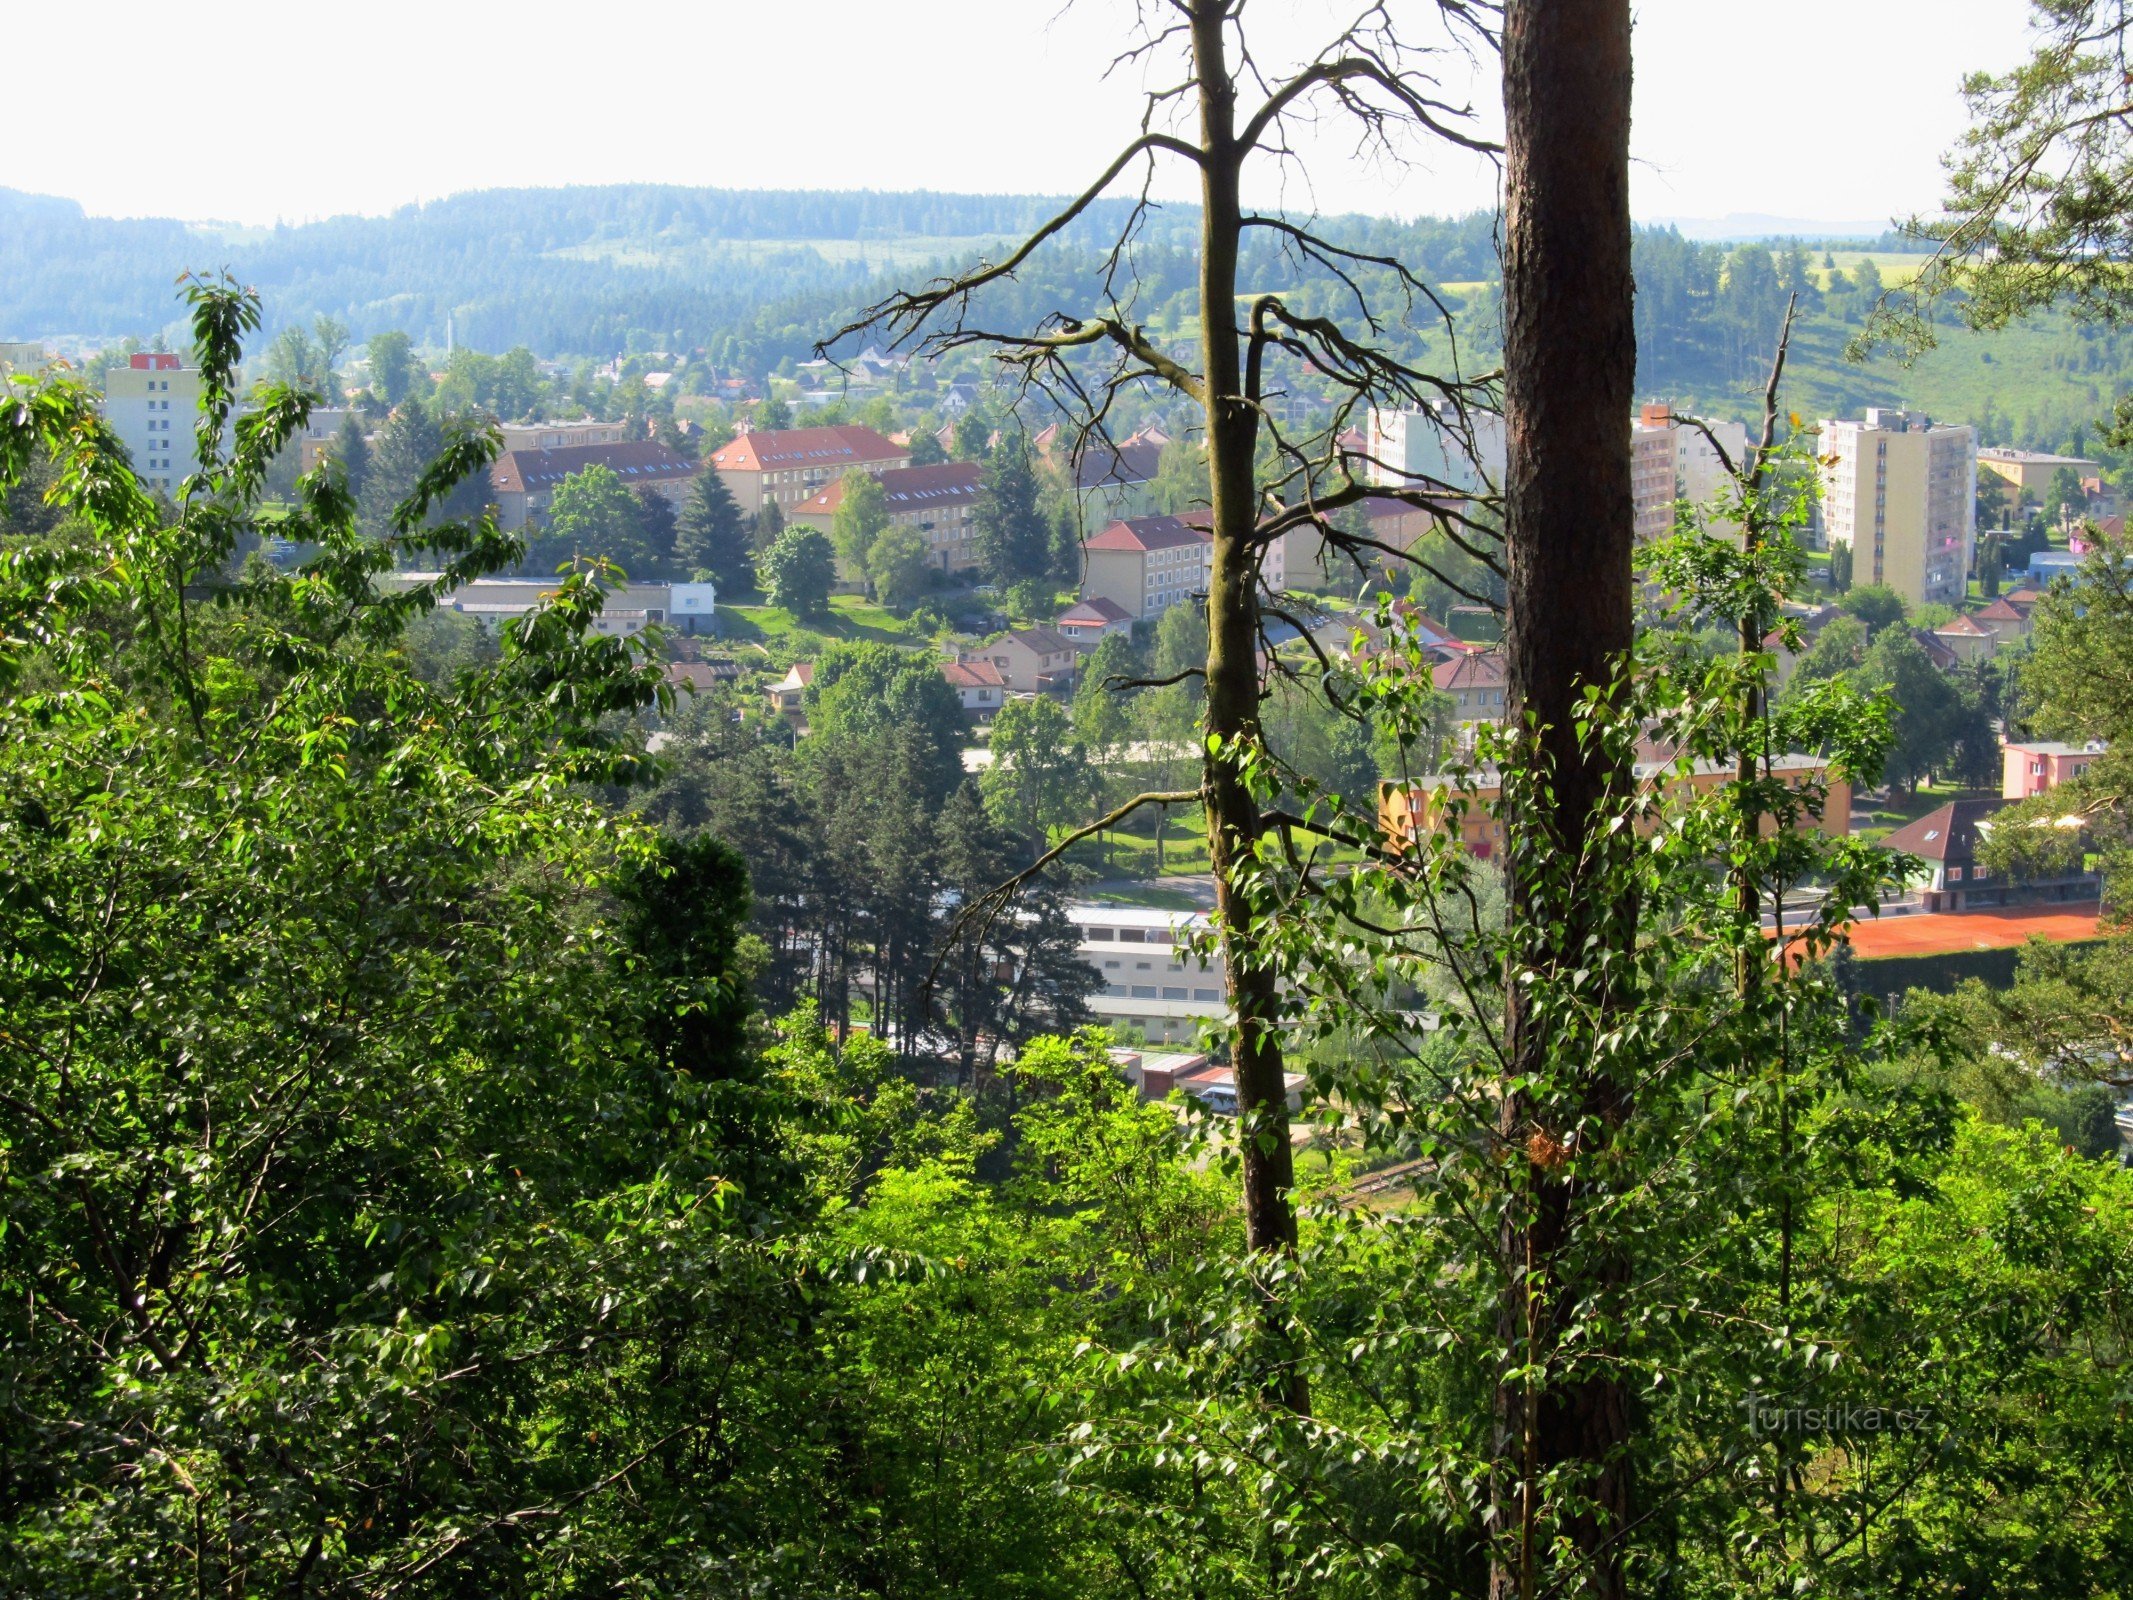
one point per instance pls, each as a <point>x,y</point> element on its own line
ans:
<point>711,536</point>
<point>1009,532</point>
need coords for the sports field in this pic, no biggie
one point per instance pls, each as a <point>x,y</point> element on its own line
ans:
<point>1933,934</point>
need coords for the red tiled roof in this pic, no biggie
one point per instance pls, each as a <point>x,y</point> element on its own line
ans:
<point>1133,462</point>
<point>1146,533</point>
<point>972,675</point>
<point>634,461</point>
<point>1094,613</point>
<point>1482,670</point>
<point>844,445</point>
<point>1968,626</point>
<point>945,483</point>
<point>2001,610</point>
<point>1950,832</point>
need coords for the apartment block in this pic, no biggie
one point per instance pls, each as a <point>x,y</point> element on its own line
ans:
<point>1145,565</point>
<point>1672,460</point>
<point>1430,444</point>
<point>1901,491</point>
<point>788,466</point>
<point>563,435</point>
<point>938,500</point>
<point>524,482</point>
<point>2028,770</point>
<point>151,404</point>
<point>1149,982</point>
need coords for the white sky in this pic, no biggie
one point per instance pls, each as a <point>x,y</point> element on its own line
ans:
<point>1811,113</point>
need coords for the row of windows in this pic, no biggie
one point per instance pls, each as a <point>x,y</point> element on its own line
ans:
<point>1145,991</point>
<point>1127,935</point>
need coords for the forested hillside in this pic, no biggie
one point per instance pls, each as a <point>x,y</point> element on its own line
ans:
<point>753,278</point>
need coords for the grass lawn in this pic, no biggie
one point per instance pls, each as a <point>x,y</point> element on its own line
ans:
<point>1156,899</point>
<point>851,618</point>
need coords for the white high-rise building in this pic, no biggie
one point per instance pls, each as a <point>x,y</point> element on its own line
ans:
<point>1901,491</point>
<point>152,404</point>
<point>1426,445</point>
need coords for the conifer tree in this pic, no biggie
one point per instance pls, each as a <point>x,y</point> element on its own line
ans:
<point>709,535</point>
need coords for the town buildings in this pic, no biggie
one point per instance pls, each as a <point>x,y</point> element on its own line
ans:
<point>1477,683</point>
<point>1029,660</point>
<point>2038,767</point>
<point>1406,812</point>
<point>1672,460</point>
<point>1087,621</point>
<point>1433,445</point>
<point>2021,477</point>
<point>1948,841</point>
<point>981,686</point>
<point>22,357</point>
<point>1901,492</point>
<point>938,500</point>
<point>629,608</point>
<point>788,466</point>
<point>563,435</point>
<point>788,696</point>
<point>151,404</point>
<point>1108,482</point>
<point>1150,983</point>
<point>1145,565</point>
<point>522,483</point>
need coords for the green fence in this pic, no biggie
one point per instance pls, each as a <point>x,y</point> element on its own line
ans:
<point>1892,975</point>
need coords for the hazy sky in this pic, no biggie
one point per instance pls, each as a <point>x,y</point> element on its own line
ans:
<point>1817,113</point>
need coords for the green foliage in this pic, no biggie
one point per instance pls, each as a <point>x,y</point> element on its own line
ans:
<point>2076,684</point>
<point>710,536</point>
<point>1038,776</point>
<point>1876,605</point>
<point>861,690</point>
<point>594,516</point>
<point>338,1113</point>
<point>899,566</point>
<point>1010,535</point>
<point>798,571</point>
<point>394,374</point>
<point>862,513</point>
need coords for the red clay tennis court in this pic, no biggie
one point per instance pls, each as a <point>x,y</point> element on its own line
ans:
<point>1934,933</point>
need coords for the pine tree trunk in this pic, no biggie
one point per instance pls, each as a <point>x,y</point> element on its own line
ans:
<point>1233,821</point>
<point>1570,363</point>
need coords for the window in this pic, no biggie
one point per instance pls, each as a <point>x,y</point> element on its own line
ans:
<point>1110,963</point>
<point>1097,934</point>
<point>1955,874</point>
<point>1143,966</point>
<point>1173,994</point>
<point>1144,991</point>
<point>1132,936</point>
<point>1214,995</point>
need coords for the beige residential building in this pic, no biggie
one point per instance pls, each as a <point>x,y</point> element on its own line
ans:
<point>938,500</point>
<point>152,403</point>
<point>1028,660</point>
<point>2016,474</point>
<point>523,482</point>
<point>562,435</point>
<point>789,466</point>
<point>1671,461</point>
<point>1145,565</point>
<point>1901,492</point>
